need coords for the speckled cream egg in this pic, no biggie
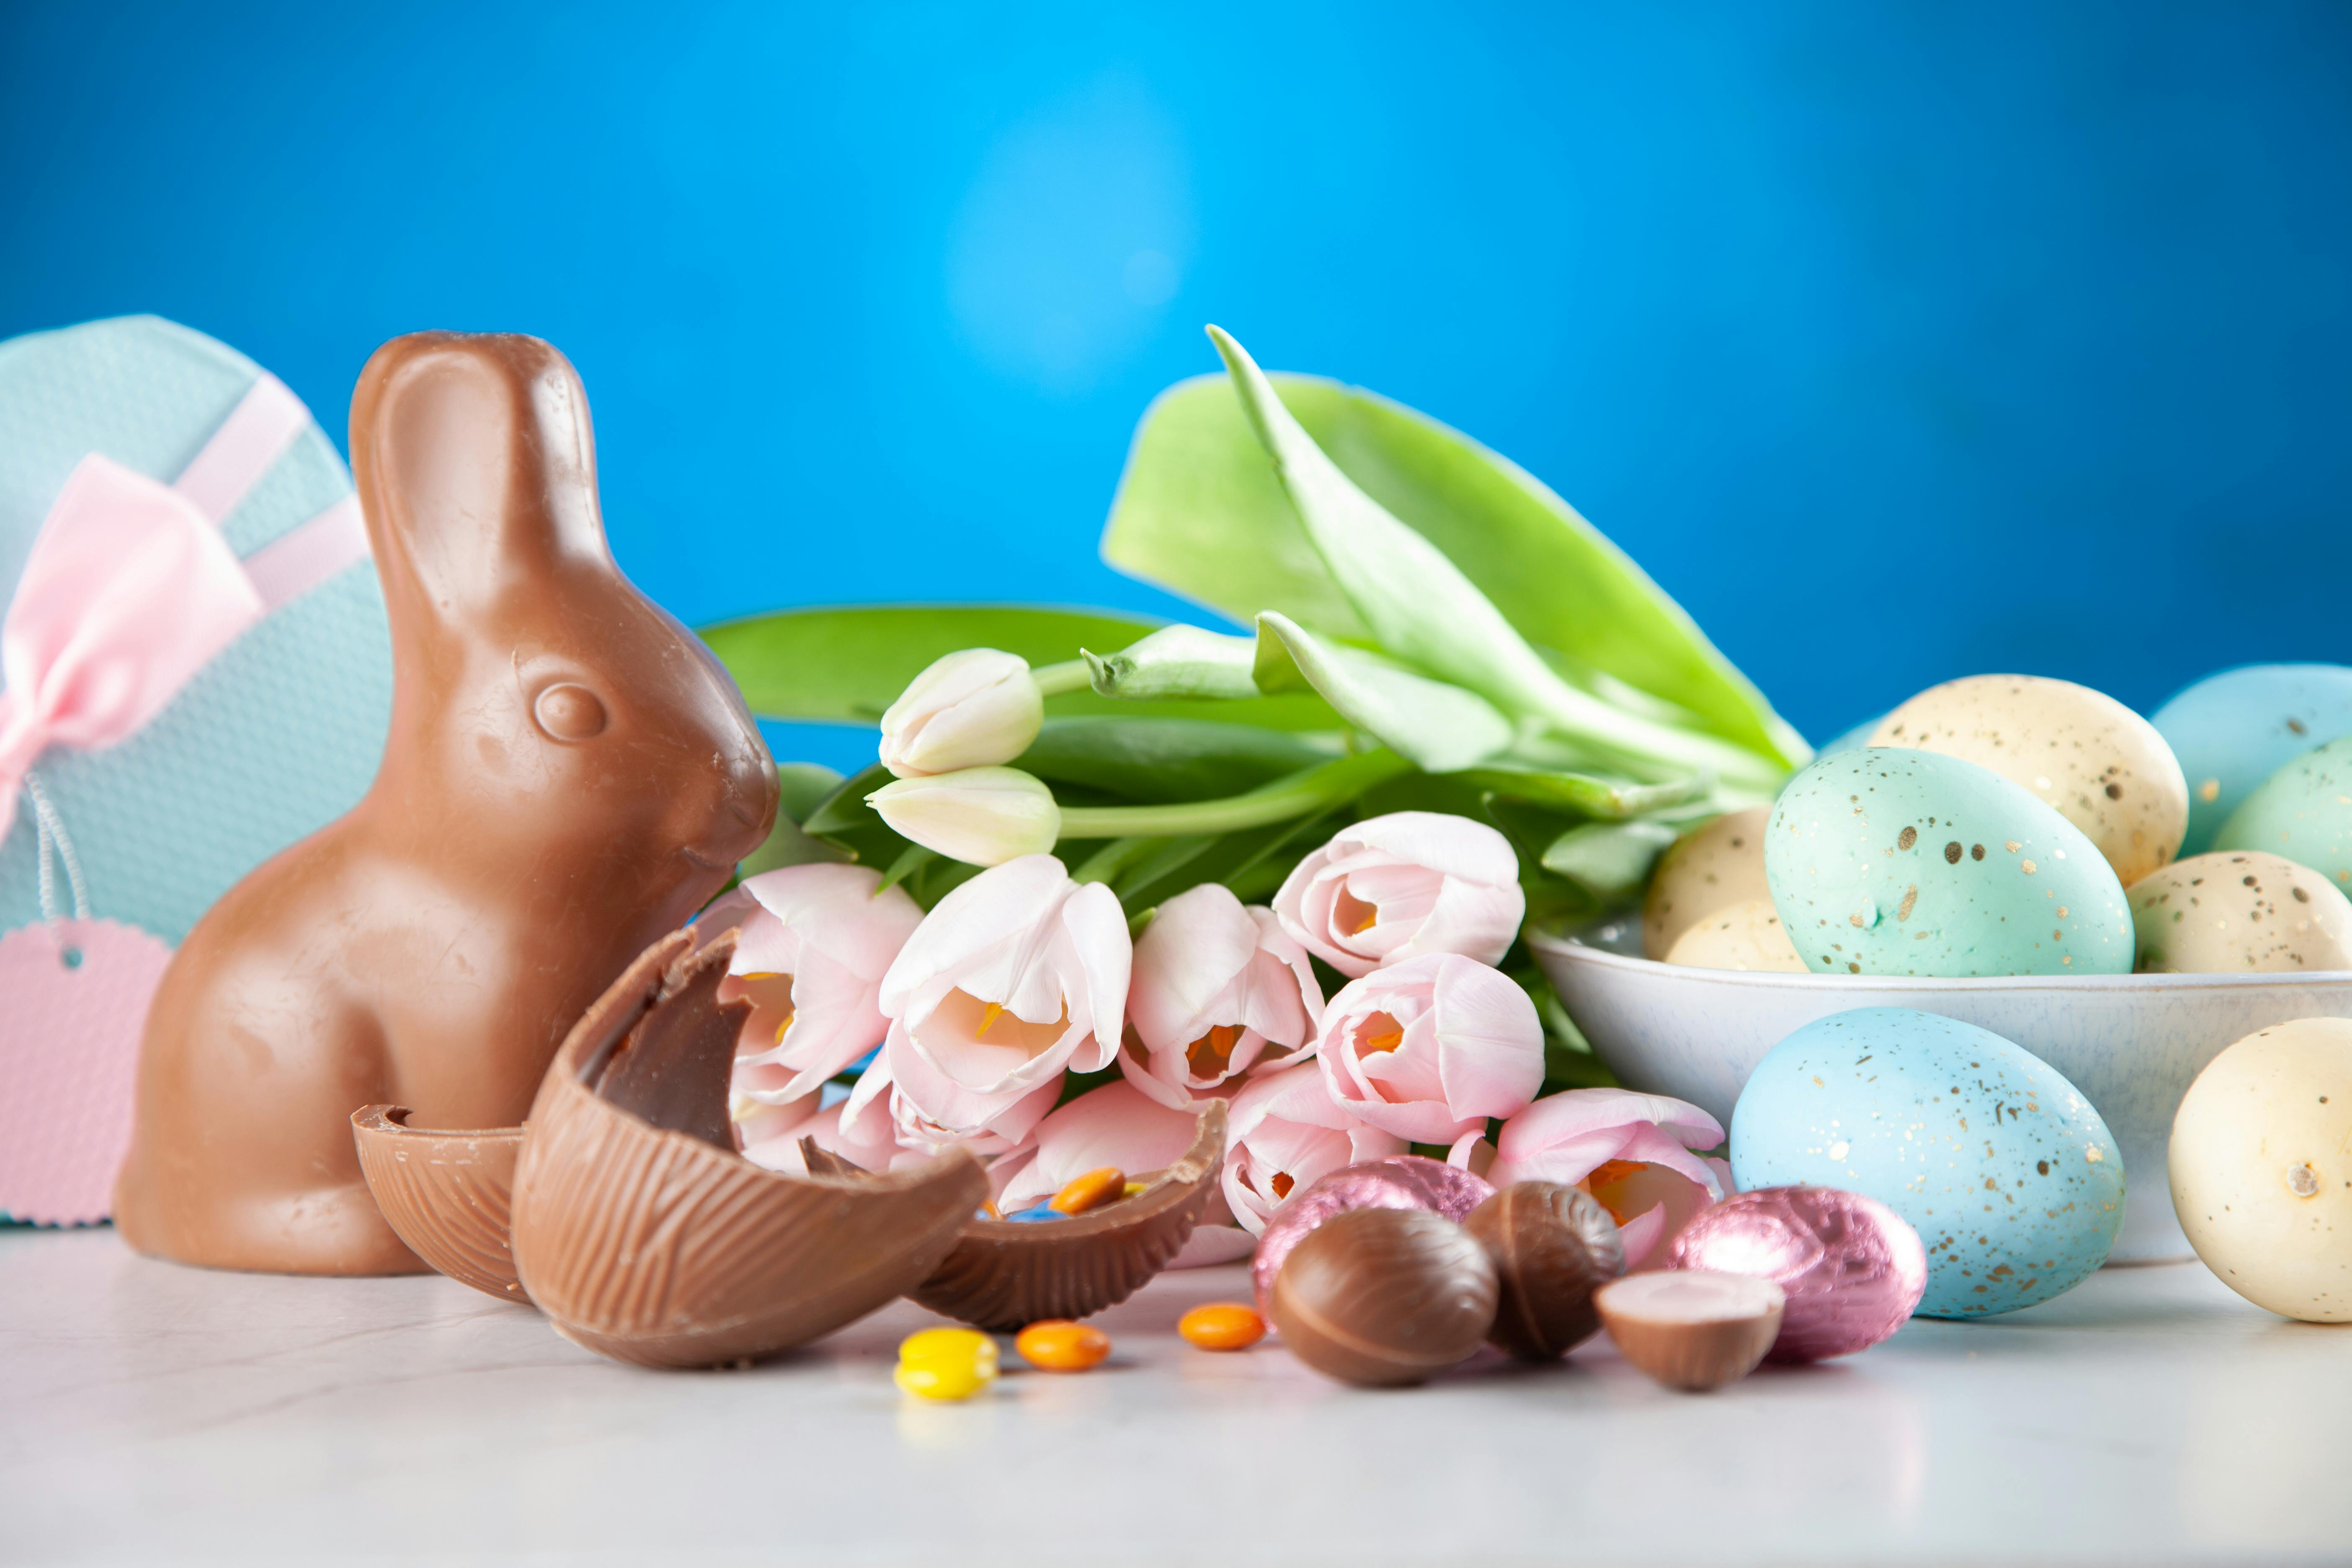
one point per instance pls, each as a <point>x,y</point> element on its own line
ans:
<point>2239,913</point>
<point>2006,1172</point>
<point>1713,866</point>
<point>2233,730</point>
<point>2262,1168</point>
<point>1745,936</point>
<point>2304,811</point>
<point>2100,765</point>
<point>1888,861</point>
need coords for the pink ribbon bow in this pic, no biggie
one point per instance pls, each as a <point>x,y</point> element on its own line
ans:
<point>130,589</point>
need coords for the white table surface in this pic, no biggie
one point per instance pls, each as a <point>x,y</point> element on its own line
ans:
<point>150,1414</point>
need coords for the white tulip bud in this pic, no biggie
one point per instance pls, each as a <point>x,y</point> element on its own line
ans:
<point>984,817</point>
<point>973,709</point>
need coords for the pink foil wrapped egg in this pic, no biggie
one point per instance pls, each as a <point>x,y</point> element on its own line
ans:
<point>1853,1268</point>
<point>1400,1181</point>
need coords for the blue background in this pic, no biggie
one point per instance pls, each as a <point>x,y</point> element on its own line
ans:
<point>1897,343</point>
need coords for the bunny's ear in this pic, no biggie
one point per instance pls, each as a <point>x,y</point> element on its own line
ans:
<point>476,469</point>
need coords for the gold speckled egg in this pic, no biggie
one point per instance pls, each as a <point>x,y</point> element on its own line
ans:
<point>1745,936</point>
<point>2262,1168</point>
<point>2101,766</point>
<point>2239,911</point>
<point>1713,866</point>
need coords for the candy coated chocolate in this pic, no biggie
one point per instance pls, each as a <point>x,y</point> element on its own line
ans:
<point>1385,1297</point>
<point>1400,1181</point>
<point>1553,1245</point>
<point>1854,1269</point>
<point>569,774</point>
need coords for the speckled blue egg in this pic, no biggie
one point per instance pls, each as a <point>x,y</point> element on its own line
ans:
<point>2010,1177</point>
<point>2233,730</point>
<point>1892,861</point>
<point>2302,813</point>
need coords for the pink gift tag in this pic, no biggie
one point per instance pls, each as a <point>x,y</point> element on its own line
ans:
<point>76,1003</point>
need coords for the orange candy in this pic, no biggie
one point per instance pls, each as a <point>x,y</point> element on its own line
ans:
<point>1221,1326</point>
<point>1090,1191</point>
<point>1059,1345</point>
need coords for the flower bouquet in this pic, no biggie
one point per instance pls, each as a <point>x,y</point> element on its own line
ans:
<point>1106,870</point>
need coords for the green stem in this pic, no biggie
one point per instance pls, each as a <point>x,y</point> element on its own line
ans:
<point>1302,793</point>
<point>1053,679</point>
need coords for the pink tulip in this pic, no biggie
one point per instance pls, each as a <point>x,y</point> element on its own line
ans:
<point>1112,1125</point>
<point>1218,990</point>
<point>1016,977</point>
<point>1401,886</point>
<point>1284,1133</point>
<point>1431,1047</point>
<point>1633,1151</point>
<point>812,945</point>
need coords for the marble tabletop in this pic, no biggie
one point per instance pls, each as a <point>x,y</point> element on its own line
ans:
<point>154,1414</point>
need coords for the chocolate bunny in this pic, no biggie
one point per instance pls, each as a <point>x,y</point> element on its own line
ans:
<point>569,775</point>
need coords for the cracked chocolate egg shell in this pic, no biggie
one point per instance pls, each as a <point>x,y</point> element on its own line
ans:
<point>448,1196</point>
<point>1003,1277</point>
<point>1385,1297</point>
<point>1399,1182</point>
<point>1851,1268</point>
<point>1552,1247</point>
<point>1690,1328</point>
<point>642,1233</point>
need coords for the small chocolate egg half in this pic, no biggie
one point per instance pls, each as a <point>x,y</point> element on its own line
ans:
<point>1691,1329</point>
<point>1385,1297</point>
<point>1852,1269</point>
<point>1552,1247</point>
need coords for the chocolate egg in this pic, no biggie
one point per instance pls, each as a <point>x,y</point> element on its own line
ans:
<point>1690,1328</point>
<point>1852,1269</point>
<point>1385,1297</point>
<point>1552,1247</point>
<point>1400,1181</point>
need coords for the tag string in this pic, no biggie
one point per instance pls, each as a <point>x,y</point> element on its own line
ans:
<point>55,839</point>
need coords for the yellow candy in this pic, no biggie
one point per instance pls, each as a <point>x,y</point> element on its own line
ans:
<point>945,1363</point>
<point>1056,1344</point>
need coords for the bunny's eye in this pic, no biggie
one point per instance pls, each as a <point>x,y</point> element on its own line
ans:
<point>569,713</point>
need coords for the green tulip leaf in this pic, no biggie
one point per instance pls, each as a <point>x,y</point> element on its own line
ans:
<point>1436,726</point>
<point>1156,760</point>
<point>1585,794</point>
<point>1610,860</point>
<point>1201,511</point>
<point>845,664</point>
<point>1178,661</point>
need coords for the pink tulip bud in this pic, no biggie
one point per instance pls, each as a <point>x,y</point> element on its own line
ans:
<point>1284,1133</point>
<point>1219,989</point>
<point>1431,1047</point>
<point>1633,1151</point>
<point>1397,887</point>
<point>1016,977</point>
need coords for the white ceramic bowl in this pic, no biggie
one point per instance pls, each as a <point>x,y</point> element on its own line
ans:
<point>2131,1043</point>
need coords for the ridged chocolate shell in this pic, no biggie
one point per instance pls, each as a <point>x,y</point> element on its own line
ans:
<point>449,1195</point>
<point>642,1233</point>
<point>1003,1277</point>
